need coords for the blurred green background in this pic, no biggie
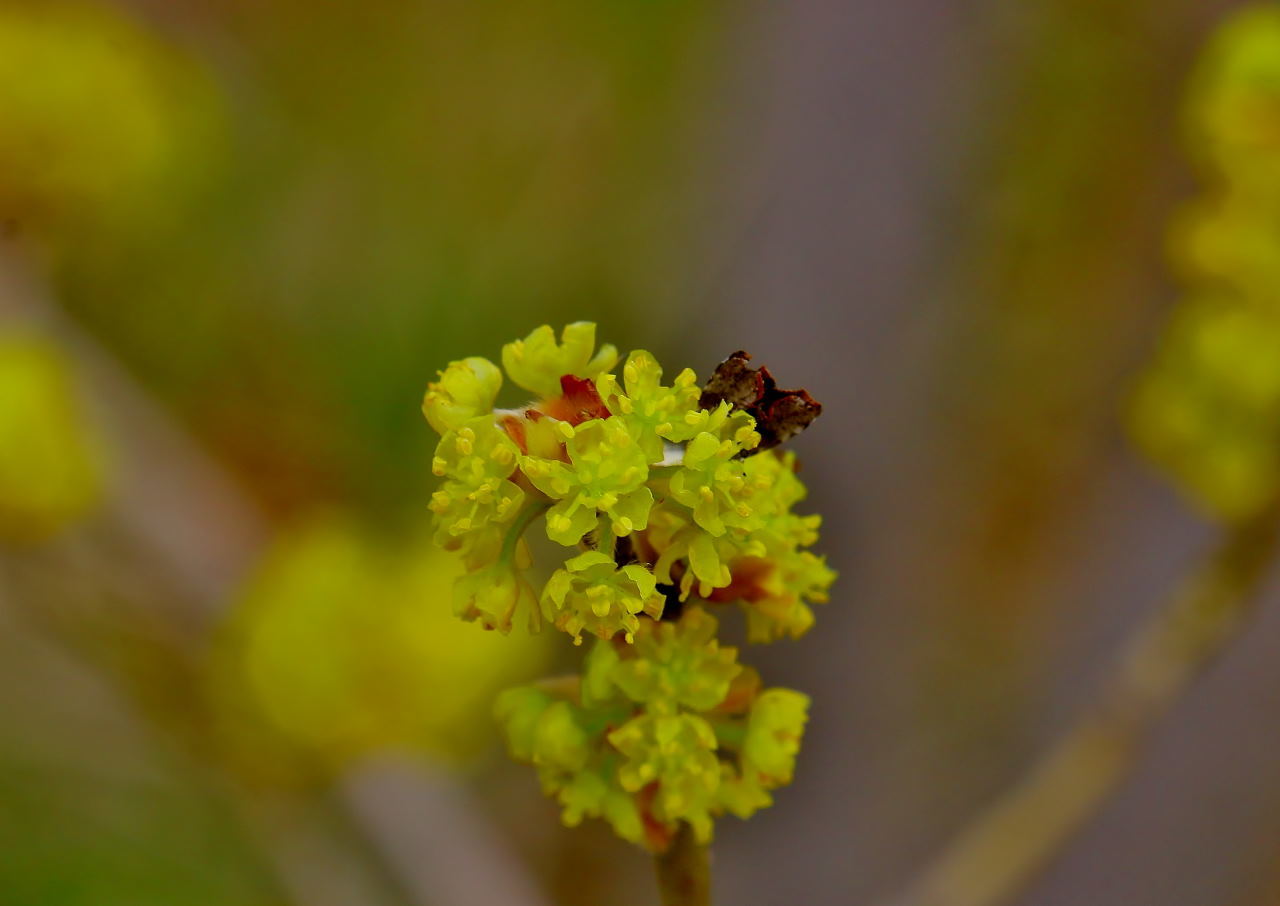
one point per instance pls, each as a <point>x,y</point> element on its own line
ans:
<point>238,237</point>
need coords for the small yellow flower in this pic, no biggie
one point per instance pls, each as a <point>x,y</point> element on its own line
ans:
<point>51,462</point>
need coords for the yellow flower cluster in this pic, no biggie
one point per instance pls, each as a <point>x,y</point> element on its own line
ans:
<point>1208,409</point>
<point>666,495</point>
<point>664,507</point>
<point>671,729</point>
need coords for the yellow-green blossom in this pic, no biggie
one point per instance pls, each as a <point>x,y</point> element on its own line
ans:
<point>465,390</point>
<point>575,764</point>
<point>538,362</point>
<point>493,595</point>
<point>724,422</point>
<point>675,752</point>
<point>671,729</point>
<point>712,480</point>
<point>740,796</point>
<point>774,488</point>
<point>679,664</point>
<point>477,459</point>
<point>598,794</point>
<point>654,412</point>
<point>766,755</point>
<point>774,731</point>
<point>591,593</point>
<point>606,474</point>
<point>704,558</point>
<point>780,588</point>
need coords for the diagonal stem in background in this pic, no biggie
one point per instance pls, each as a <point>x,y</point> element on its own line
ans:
<point>1021,834</point>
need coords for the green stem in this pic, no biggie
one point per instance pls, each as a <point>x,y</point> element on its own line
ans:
<point>730,734</point>
<point>532,510</point>
<point>1007,846</point>
<point>684,871</point>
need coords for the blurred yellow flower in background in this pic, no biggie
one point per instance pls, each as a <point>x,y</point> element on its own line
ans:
<point>95,112</point>
<point>1234,103</point>
<point>51,470</point>
<point>341,648</point>
<point>1208,409</point>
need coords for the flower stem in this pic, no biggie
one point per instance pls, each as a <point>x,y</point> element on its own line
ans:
<point>684,871</point>
<point>531,511</point>
<point>1020,835</point>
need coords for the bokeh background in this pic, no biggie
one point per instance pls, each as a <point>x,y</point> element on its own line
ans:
<point>239,237</point>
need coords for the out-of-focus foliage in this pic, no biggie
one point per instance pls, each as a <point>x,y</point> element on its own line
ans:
<point>1051,272</point>
<point>51,461</point>
<point>74,834</point>
<point>395,180</point>
<point>98,117</point>
<point>1209,409</point>
<point>669,729</point>
<point>343,645</point>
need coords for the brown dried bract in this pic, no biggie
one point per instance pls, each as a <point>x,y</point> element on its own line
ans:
<point>780,414</point>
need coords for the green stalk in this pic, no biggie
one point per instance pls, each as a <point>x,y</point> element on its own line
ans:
<point>684,871</point>
<point>532,510</point>
<point>1028,827</point>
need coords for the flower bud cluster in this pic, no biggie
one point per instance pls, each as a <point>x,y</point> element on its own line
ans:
<point>669,729</point>
<point>663,508</point>
<point>1208,410</point>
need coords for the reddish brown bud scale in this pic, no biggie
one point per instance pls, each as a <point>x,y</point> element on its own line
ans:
<point>580,402</point>
<point>780,414</point>
<point>514,426</point>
